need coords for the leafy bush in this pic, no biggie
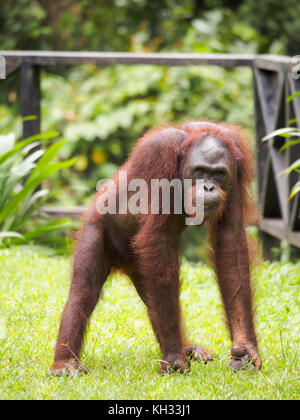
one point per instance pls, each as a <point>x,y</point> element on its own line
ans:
<point>74,24</point>
<point>24,166</point>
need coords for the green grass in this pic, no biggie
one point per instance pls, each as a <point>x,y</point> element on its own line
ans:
<point>120,349</point>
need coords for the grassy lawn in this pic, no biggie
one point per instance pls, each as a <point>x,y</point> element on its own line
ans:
<point>120,349</point>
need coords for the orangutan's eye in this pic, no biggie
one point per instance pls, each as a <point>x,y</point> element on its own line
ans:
<point>200,171</point>
<point>220,173</point>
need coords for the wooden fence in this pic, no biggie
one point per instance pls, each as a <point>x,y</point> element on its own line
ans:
<point>273,81</point>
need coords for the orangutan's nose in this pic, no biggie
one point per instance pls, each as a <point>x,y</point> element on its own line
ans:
<point>209,187</point>
<point>212,196</point>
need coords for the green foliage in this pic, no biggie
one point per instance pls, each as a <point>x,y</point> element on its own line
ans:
<point>24,166</point>
<point>274,21</point>
<point>22,25</point>
<point>74,24</point>
<point>120,348</point>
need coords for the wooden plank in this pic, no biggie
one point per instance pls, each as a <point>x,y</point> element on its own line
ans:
<point>267,62</point>
<point>12,64</point>
<point>270,86</point>
<point>274,227</point>
<point>270,202</point>
<point>260,132</point>
<point>62,212</point>
<point>45,58</point>
<point>273,62</point>
<point>280,163</point>
<point>277,229</point>
<point>30,98</point>
<point>295,213</point>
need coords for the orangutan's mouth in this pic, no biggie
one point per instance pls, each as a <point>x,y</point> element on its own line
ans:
<point>211,207</point>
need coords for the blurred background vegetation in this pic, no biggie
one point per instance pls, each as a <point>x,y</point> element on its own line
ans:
<point>102,111</point>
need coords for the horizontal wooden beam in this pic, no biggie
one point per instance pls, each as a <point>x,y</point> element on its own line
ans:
<point>62,212</point>
<point>45,58</point>
<point>12,64</point>
<point>276,227</point>
<point>272,226</point>
<point>51,58</point>
<point>272,62</point>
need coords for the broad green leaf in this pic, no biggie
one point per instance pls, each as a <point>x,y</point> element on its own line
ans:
<point>21,144</point>
<point>26,208</point>
<point>278,132</point>
<point>56,239</point>
<point>7,143</point>
<point>44,136</point>
<point>32,184</point>
<point>28,163</point>
<point>291,97</point>
<point>29,118</point>
<point>57,225</point>
<point>295,190</point>
<point>11,235</point>
<point>289,144</point>
<point>50,153</point>
<point>292,121</point>
<point>293,167</point>
<point>290,134</point>
<point>31,146</point>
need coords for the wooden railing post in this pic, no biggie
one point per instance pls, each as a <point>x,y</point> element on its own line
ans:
<point>30,97</point>
<point>280,217</point>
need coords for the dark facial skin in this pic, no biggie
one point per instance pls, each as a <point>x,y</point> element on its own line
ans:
<point>210,160</point>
